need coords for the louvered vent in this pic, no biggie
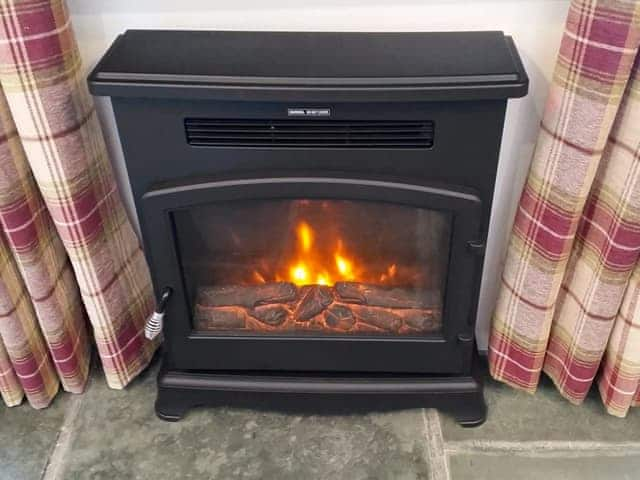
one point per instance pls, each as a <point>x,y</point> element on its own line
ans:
<point>309,133</point>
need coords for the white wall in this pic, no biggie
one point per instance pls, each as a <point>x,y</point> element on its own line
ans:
<point>536,26</point>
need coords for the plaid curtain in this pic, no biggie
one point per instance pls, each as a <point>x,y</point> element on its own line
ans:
<point>569,301</point>
<point>68,252</point>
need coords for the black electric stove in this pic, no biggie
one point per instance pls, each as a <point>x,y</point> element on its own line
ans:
<point>314,209</point>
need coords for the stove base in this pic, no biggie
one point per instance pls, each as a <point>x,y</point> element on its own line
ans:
<point>460,396</point>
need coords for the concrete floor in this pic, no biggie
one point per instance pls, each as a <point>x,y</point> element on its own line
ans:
<point>106,434</point>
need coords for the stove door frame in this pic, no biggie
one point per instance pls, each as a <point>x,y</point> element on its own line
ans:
<point>446,352</point>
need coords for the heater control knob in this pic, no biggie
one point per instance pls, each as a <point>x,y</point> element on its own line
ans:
<point>154,324</point>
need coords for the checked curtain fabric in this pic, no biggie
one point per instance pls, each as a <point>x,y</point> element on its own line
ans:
<point>71,268</point>
<point>570,298</point>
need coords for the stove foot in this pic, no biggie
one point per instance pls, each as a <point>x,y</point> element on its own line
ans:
<point>473,415</point>
<point>172,404</point>
<point>168,411</point>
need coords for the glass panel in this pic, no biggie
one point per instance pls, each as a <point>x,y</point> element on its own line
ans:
<point>317,266</point>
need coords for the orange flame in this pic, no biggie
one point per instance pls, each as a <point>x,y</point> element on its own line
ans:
<point>305,236</point>
<point>320,266</point>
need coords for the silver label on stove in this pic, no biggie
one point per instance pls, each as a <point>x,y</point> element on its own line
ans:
<point>308,112</point>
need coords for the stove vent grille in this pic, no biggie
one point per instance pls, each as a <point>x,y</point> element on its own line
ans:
<point>298,133</point>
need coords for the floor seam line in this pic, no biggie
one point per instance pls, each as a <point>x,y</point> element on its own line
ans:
<point>58,454</point>
<point>544,448</point>
<point>50,453</point>
<point>436,453</point>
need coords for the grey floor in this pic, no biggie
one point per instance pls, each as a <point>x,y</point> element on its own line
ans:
<point>106,434</point>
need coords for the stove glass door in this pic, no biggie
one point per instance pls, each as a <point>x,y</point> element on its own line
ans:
<point>314,265</point>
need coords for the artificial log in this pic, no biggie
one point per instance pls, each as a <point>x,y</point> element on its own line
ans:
<point>247,296</point>
<point>421,320</point>
<point>343,308</point>
<point>219,318</point>
<point>383,318</point>
<point>380,296</point>
<point>364,328</point>
<point>272,315</point>
<point>339,317</point>
<point>315,299</point>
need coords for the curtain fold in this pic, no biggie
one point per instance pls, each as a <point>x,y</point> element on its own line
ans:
<point>21,336</point>
<point>69,252</point>
<point>619,382</point>
<point>603,257</point>
<point>10,388</point>
<point>41,260</point>
<point>569,291</point>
